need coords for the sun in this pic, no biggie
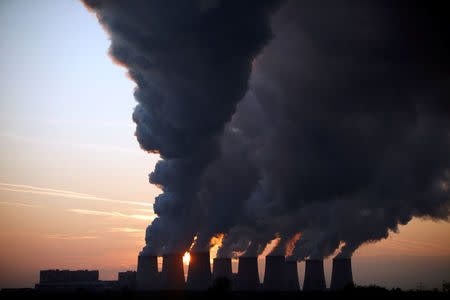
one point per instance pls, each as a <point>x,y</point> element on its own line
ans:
<point>186,258</point>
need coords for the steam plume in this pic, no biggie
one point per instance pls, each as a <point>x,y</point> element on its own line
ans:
<point>342,134</point>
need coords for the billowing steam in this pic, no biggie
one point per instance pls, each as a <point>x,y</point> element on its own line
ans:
<point>341,134</point>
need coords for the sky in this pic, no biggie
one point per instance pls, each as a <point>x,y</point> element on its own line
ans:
<point>74,190</point>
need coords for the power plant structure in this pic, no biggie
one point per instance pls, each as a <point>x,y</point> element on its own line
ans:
<point>247,277</point>
<point>172,275</point>
<point>280,275</point>
<point>199,272</point>
<point>275,274</point>
<point>314,275</point>
<point>147,277</point>
<point>341,276</point>
<point>291,276</point>
<point>222,268</point>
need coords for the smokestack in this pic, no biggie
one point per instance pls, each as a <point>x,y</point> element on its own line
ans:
<point>199,273</point>
<point>314,276</point>
<point>291,275</point>
<point>248,278</point>
<point>172,277</point>
<point>274,276</point>
<point>341,276</point>
<point>147,273</point>
<point>222,268</point>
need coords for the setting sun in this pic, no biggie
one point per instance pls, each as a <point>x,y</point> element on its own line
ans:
<point>186,258</point>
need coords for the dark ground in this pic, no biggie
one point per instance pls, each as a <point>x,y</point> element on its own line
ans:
<point>355,293</point>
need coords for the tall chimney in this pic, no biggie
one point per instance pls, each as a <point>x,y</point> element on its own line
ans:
<point>274,276</point>
<point>314,276</point>
<point>222,268</point>
<point>341,276</point>
<point>147,273</point>
<point>291,276</point>
<point>172,277</point>
<point>247,277</point>
<point>199,273</point>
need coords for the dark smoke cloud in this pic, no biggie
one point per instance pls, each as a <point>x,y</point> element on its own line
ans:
<point>355,137</point>
<point>343,133</point>
<point>191,61</point>
<point>345,126</point>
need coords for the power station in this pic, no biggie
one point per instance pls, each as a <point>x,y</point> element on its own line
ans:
<point>199,274</point>
<point>280,275</point>
<point>341,277</point>
<point>314,276</point>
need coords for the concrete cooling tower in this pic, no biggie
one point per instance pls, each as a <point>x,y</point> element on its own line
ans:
<point>172,277</point>
<point>199,273</point>
<point>291,276</point>
<point>274,276</point>
<point>147,277</point>
<point>341,276</point>
<point>314,276</point>
<point>222,268</point>
<point>247,278</point>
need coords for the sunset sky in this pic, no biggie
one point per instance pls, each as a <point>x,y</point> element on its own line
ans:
<point>74,190</point>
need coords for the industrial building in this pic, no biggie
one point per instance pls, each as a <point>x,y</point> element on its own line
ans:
<point>280,275</point>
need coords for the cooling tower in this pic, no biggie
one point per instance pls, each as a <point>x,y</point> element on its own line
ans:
<point>274,276</point>
<point>172,277</point>
<point>291,276</point>
<point>222,268</point>
<point>341,276</point>
<point>147,273</point>
<point>247,277</point>
<point>199,273</point>
<point>314,276</point>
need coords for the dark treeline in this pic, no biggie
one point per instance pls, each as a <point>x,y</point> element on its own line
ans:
<point>369,292</point>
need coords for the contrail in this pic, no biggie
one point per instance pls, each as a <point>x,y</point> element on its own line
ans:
<point>21,188</point>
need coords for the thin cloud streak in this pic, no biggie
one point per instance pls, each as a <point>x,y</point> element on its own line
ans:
<point>126,229</point>
<point>20,188</point>
<point>70,237</point>
<point>16,204</point>
<point>95,147</point>
<point>112,214</point>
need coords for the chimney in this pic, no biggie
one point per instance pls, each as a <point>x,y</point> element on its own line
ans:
<point>291,275</point>
<point>222,268</point>
<point>247,277</point>
<point>147,273</point>
<point>172,277</point>
<point>199,273</point>
<point>341,276</point>
<point>314,276</point>
<point>274,276</point>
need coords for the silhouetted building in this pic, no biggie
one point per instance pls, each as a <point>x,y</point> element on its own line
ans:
<point>66,280</point>
<point>274,276</point>
<point>54,276</point>
<point>291,276</point>
<point>199,272</point>
<point>172,277</point>
<point>147,276</point>
<point>341,276</point>
<point>222,268</point>
<point>127,279</point>
<point>314,276</point>
<point>247,277</point>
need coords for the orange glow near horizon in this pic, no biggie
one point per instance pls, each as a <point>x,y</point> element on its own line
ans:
<point>290,245</point>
